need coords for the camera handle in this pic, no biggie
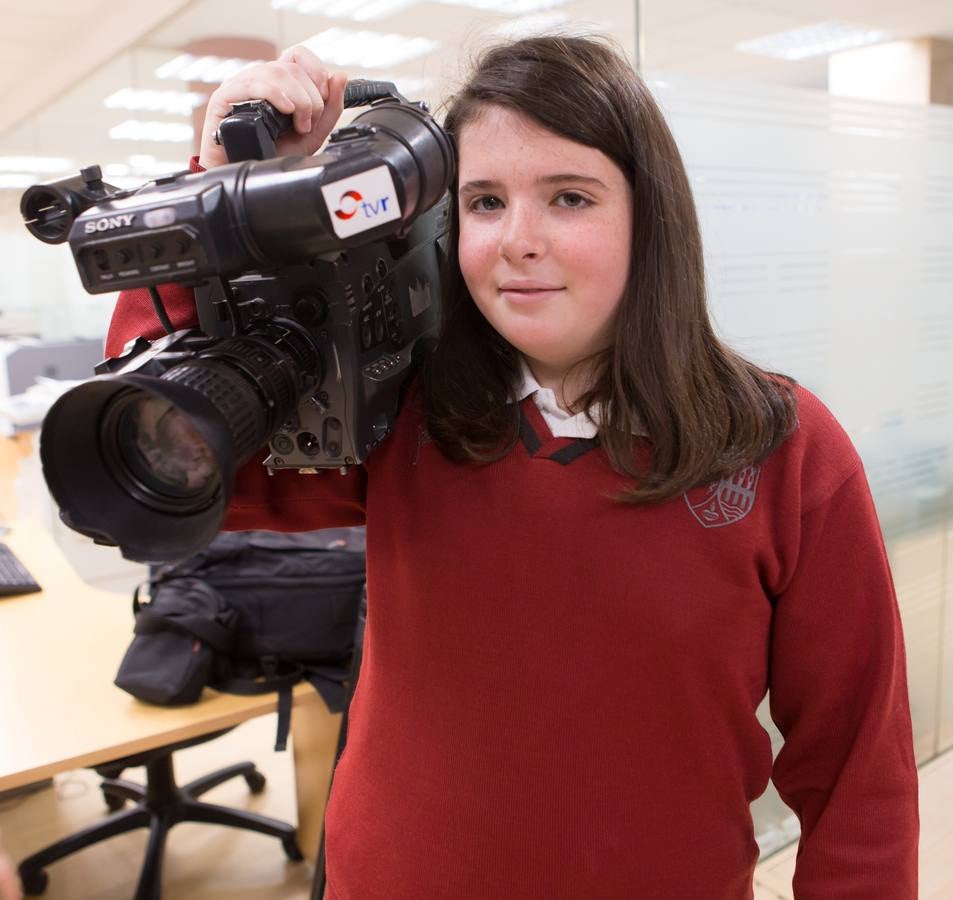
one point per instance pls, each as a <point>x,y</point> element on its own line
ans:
<point>251,130</point>
<point>253,127</point>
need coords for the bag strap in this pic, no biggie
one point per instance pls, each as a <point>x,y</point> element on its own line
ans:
<point>136,605</point>
<point>328,681</point>
<point>205,629</point>
<point>217,635</point>
<point>273,680</point>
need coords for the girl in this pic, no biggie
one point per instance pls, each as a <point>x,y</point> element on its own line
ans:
<point>596,537</point>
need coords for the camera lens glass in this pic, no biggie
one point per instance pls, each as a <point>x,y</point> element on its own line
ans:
<point>158,454</point>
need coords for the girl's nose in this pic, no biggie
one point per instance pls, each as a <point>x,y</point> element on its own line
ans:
<point>522,234</point>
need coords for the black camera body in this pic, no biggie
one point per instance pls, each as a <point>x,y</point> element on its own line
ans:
<point>366,186</point>
<point>317,285</point>
<point>363,318</point>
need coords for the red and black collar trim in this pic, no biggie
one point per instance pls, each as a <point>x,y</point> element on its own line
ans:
<point>540,443</point>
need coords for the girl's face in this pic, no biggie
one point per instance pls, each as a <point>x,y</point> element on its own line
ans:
<point>545,237</point>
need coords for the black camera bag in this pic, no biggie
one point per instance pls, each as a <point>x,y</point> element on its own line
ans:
<point>177,636</point>
<point>255,612</point>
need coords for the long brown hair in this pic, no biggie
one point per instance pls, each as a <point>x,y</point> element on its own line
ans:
<point>705,410</point>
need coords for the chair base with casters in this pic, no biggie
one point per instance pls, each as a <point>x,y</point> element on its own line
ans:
<point>160,804</point>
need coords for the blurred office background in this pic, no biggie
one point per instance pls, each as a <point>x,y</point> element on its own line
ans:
<point>818,135</point>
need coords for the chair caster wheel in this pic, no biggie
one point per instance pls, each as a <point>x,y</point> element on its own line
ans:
<point>34,881</point>
<point>291,848</point>
<point>256,781</point>
<point>113,801</point>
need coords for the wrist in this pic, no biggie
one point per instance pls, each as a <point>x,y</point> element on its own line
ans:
<point>210,159</point>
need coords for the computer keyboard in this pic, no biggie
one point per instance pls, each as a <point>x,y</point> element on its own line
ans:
<point>14,578</point>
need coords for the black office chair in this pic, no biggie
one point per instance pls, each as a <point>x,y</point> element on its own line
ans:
<point>160,804</point>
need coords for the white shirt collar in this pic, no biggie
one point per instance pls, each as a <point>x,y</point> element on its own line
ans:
<point>561,423</point>
<point>581,425</point>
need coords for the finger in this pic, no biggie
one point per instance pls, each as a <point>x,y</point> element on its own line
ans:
<point>334,105</point>
<point>282,90</point>
<point>316,100</point>
<point>261,81</point>
<point>313,66</point>
<point>258,83</point>
<point>292,85</point>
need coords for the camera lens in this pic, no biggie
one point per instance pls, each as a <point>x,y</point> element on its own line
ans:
<point>147,462</point>
<point>141,462</point>
<point>162,451</point>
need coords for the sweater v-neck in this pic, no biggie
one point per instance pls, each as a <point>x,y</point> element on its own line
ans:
<point>539,442</point>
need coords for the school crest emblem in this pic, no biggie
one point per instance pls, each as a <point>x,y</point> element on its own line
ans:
<point>727,501</point>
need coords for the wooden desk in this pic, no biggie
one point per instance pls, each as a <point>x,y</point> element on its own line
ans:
<point>59,710</point>
<point>12,451</point>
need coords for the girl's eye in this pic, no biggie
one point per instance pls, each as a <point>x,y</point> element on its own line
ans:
<point>572,200</point>
<point>486,203</point>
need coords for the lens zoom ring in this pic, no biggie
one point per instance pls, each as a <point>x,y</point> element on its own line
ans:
<point>232,395</point>
<point>271,369</point>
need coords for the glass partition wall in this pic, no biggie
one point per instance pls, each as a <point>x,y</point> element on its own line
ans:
<point>828,231</point>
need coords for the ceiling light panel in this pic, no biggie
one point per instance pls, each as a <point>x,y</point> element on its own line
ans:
<point>356,10</point>
<point>813,40</point>
<point>177,103</point>
<point>139,169</point>
<point>506,7</point>
<point>207,69</point>
<point>367,49</point>
<point>136,130</point>
<point>9,181</point>
<point>35,164</point>
<point>145,166</point>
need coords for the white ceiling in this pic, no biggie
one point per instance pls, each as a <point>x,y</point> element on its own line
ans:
<point>59,59</point>
<point>48,47</point>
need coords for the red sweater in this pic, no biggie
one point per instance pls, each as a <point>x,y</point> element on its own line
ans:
<point>558,691</point>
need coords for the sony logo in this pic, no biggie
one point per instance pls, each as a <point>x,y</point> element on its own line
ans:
<point>109,223</point>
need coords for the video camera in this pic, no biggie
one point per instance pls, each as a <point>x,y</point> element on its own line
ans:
<point>317,290</point>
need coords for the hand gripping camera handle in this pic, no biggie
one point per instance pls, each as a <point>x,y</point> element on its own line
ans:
<point>252,130</point>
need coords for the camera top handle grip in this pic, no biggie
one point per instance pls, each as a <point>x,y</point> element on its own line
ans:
<point>252,129</point>
<point>361,92</point>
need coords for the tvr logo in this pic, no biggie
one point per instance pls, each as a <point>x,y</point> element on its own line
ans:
<point>109,223</point>
<point>361,202</point>
<point>352,202</point>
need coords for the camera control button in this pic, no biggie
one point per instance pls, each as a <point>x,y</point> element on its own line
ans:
<point>351,133</point>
